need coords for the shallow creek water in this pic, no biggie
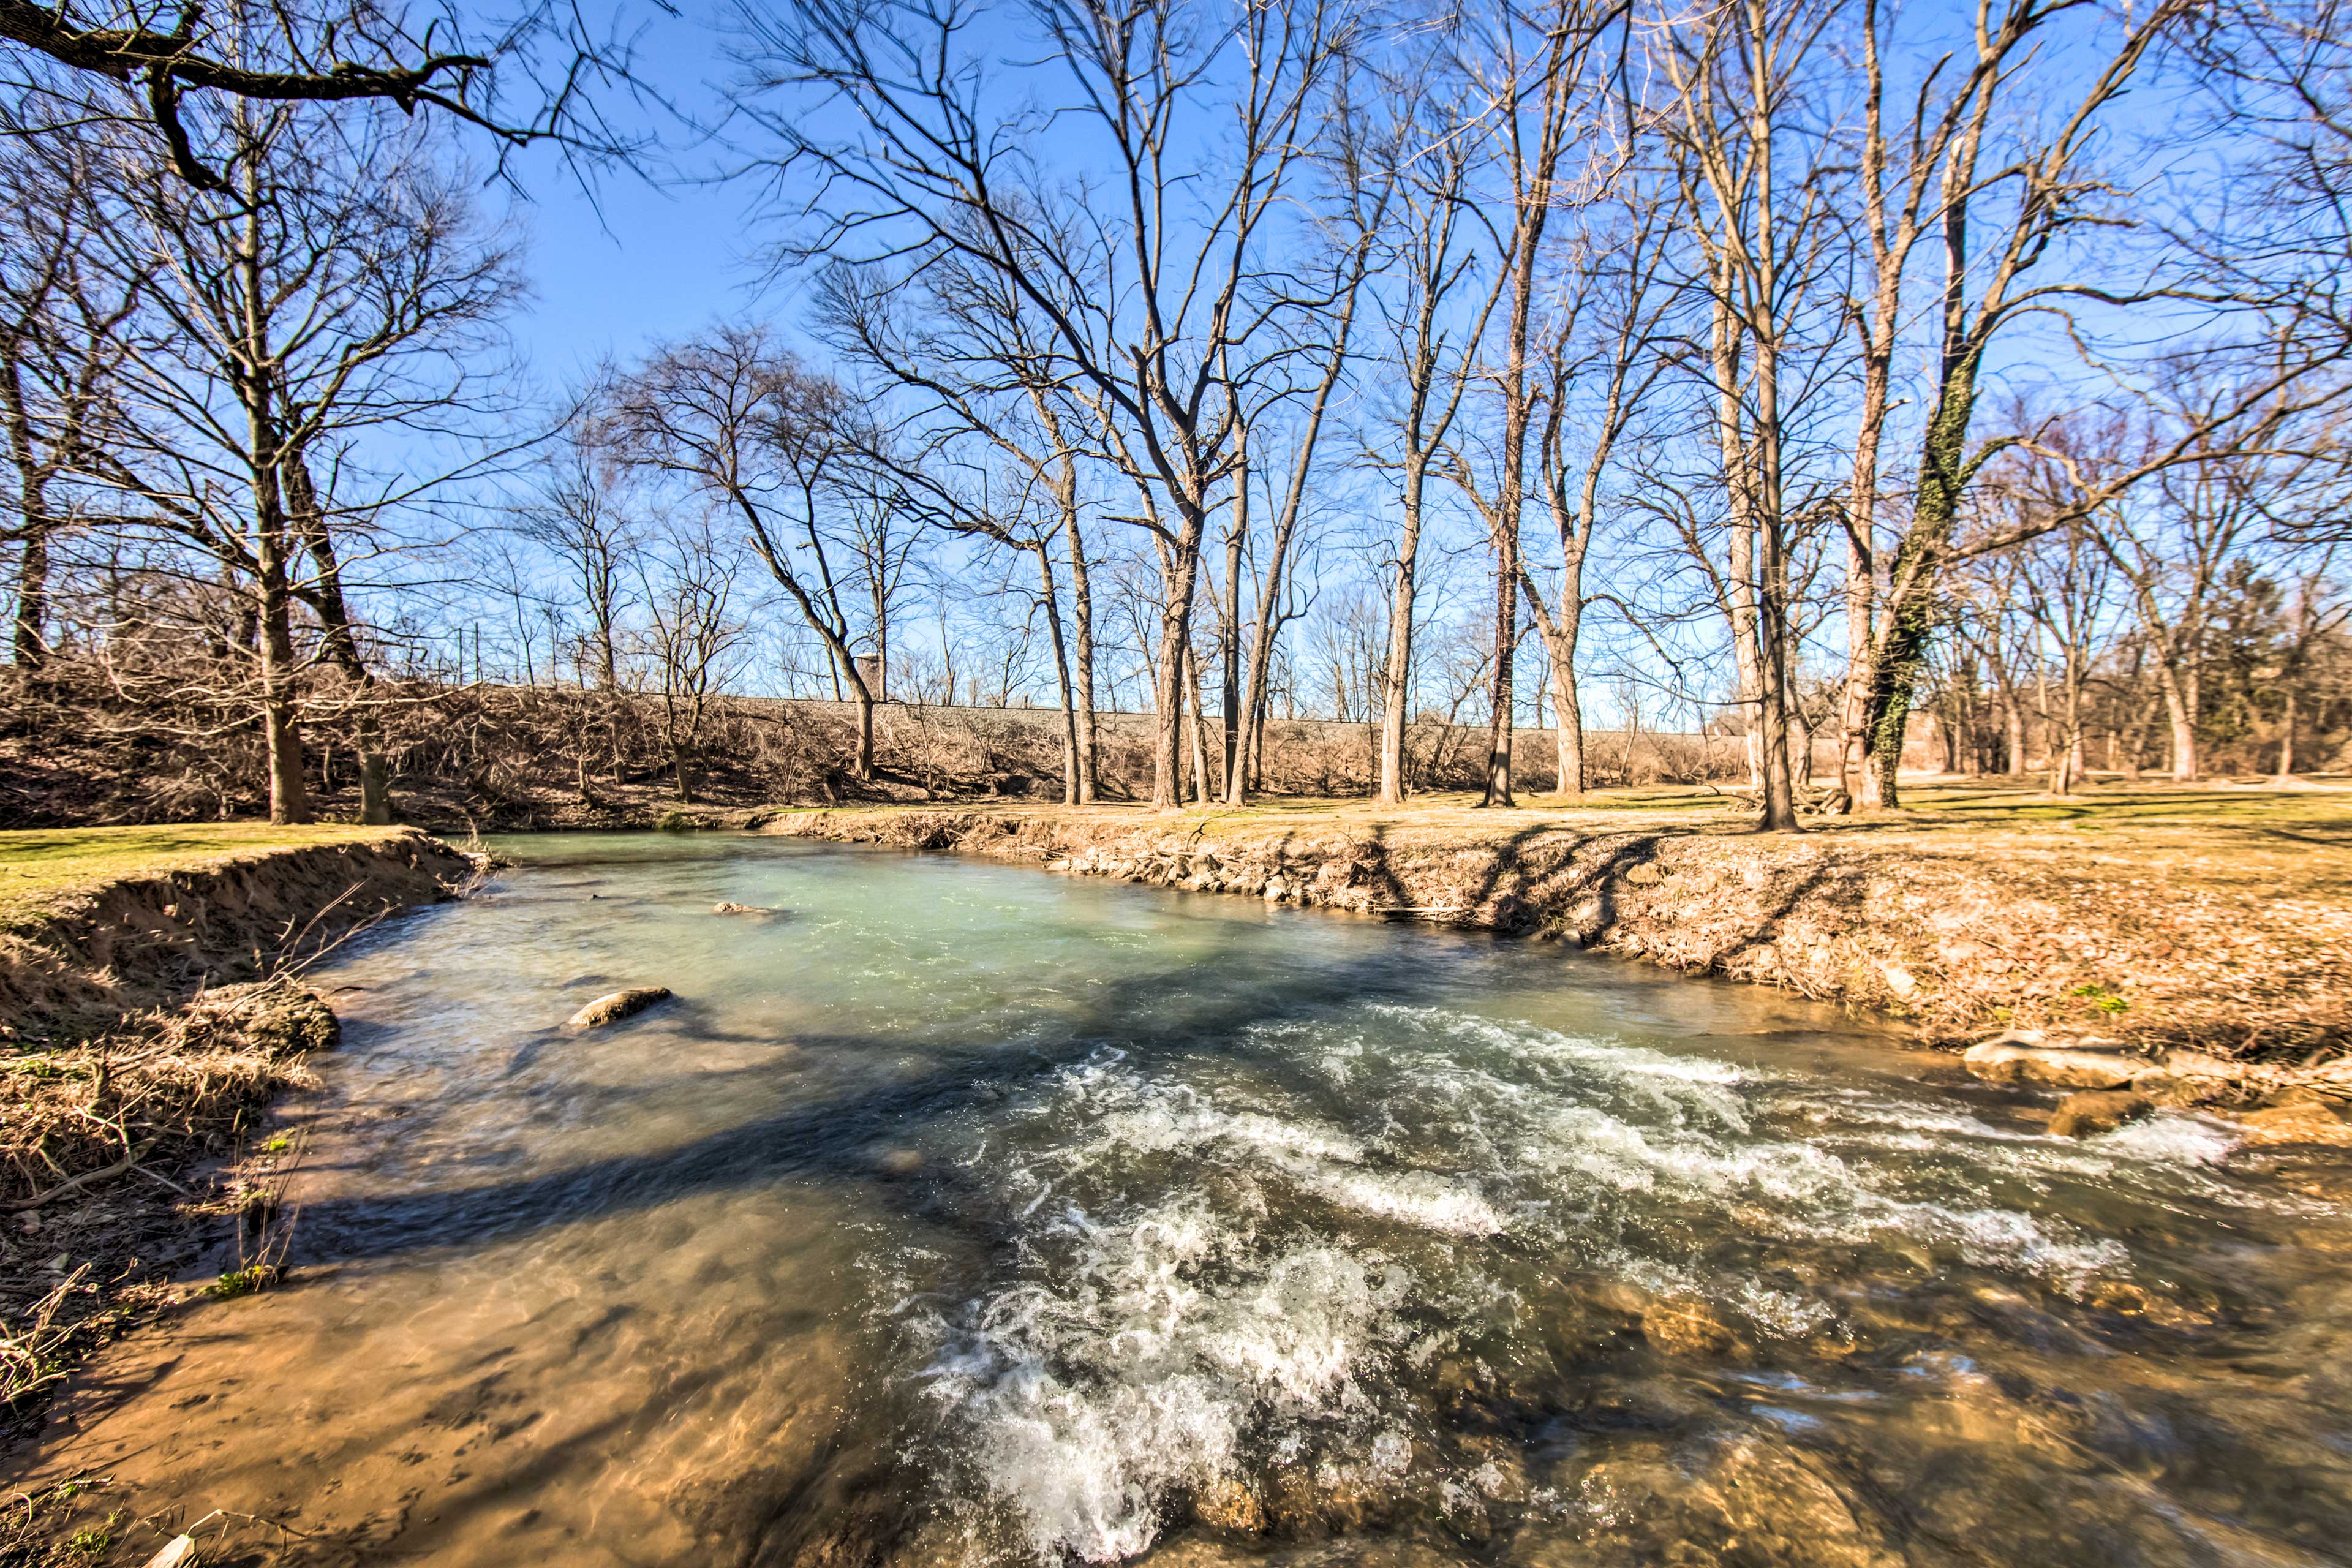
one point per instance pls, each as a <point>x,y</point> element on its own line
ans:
<point>963,1215</point>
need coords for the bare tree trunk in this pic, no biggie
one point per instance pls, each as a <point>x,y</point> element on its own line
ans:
<point>1072,764</point>
<point>1180,565</point>
<point>1396,680</point>
<point>1853,772</point>
<point>1188,697</point>
<point>342,645</point>
<point>2180,714</point>
<point>1746,658</point>
<point>2286,739</point>
<point>1507,636</point>
<point>1568,714</point>
<point>1232,619</point>
<point>1772,646</point>
<point>281,725</point>
<point>32,641</point>
<point>1801,745</point>
<point>1082,628</point>
<point>862,764</point>
<point>281,728</point>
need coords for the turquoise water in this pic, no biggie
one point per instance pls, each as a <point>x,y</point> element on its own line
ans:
<point>961,1213</point>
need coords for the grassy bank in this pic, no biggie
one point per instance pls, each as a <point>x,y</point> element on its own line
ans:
<point>2216,917</point>
<point>41,871</point>
<point>97,923</point>
<point>150,1005</point>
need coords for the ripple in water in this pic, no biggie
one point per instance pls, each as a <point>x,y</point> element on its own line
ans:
<point>1240,1268</point>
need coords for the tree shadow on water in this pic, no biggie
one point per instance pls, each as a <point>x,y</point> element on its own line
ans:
<point>1213,1004</point>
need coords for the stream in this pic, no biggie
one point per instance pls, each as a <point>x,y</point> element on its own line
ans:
<point>959,1214</point>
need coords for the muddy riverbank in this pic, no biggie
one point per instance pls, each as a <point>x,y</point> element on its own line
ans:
<point>152,1004</point>
<point>101,923</point>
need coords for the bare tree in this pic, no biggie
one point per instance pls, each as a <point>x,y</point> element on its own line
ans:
<point>1365,186</point>
<point>1534,68</point>
<point>693,634</point>
<point>2067,580</point>
<point>577,514</point>
<point>62,326</point>
<point>1145,284</point>
<point>181,71</point>
<point>967,344</point>
<point>1899,173</point>
<point>342,286</point>
<point>1739,73</point>
<point>746,424</point>
<point>1429,357</point>
<point>1616,345</point>
<point>1984,290</point>
<point>2317,612</point>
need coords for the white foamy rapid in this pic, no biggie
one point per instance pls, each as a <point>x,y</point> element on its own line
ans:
<point>1227,1260</point>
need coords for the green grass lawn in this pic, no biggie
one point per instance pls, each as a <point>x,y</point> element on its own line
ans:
<point>40,866</point>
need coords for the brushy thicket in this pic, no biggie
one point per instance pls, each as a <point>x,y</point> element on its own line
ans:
<point>76,748</point>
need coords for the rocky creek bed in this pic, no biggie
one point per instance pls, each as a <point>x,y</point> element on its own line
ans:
<point>946,1212</point>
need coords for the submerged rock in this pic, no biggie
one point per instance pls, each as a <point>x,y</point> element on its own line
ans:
<point>2097,1110</point>
<point>1689,1327</point>
<point>1998,1062</point>
<point>2303,1121</point>
<point>1226,1504</point>
<point>728,908</point>
<point>616,1006</point>
<point>1761,1504</point>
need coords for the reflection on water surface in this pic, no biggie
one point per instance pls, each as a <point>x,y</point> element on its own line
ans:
<point>963,1214</point>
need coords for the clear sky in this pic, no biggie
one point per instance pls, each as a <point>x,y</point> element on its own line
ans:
<point>643,256</point>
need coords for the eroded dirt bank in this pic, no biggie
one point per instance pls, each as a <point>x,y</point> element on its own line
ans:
<point>1959,938</point>
<point>86,956</point>
<point>146,1018</point>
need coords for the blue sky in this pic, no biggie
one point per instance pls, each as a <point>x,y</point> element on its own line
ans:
<point>644,256</point>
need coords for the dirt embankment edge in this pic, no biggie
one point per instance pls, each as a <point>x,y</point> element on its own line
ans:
<point>1953,943</point>
<point>145,1020</point>
<point>96,956</point>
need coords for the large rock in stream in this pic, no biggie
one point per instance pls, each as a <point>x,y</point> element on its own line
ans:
<point>616,1006</point>
<point>2093,1111</point>
<point>1999,1061</point>
<point>2299,1121</point>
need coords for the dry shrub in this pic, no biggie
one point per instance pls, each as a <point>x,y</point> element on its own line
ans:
<point>37,1343</point>
<point>78,747</point>
<point>177,1085</point>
